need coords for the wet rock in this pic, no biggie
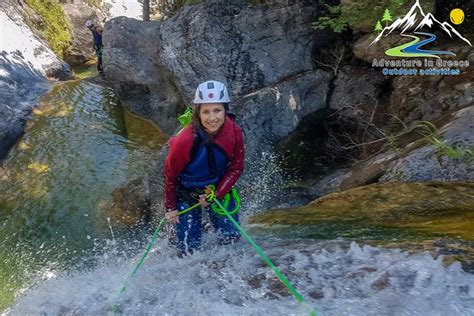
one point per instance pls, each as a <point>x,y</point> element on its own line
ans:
<point>329,183</point>
<point>397,210</point>
<point>316,294</point>
<point>130,202</point>
<point>382,282</point>
<point>277,288</point>
<point>432,163</point>
<point>24,70</point>
<point>255,281</point>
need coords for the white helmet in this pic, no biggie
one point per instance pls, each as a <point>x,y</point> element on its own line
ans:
<point>211,92</point>
<point>89,23</point>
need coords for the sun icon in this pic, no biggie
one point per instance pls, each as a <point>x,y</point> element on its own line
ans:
<point>457,16</point>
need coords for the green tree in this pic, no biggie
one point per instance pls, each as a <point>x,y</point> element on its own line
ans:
<point>378,27</point>
<point>387,17</point>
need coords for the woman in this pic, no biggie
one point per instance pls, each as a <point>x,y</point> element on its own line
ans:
<point>210,151</point>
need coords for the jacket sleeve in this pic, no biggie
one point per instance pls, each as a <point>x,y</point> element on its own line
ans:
<point>175,162</point>
<point>236,167</point>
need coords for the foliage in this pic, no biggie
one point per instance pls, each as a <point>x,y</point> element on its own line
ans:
<point>253,2</point>
<point>94,3</point>
<point>431,134</point>
<point>335,21</point>
<point>343,16</point>
<point>168,8</point>
<point>54,27</point>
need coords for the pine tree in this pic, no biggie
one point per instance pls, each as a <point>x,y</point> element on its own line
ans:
<point>378,27</point>
<point>387,17</point>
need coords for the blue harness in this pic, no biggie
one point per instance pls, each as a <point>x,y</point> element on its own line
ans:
<point>97,39</point>
<point>206,167</point>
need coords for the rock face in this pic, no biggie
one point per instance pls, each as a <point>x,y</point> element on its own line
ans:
<point>428,99</point>
<point>440,163</point>
<point>254,50</point>
<point>25,63</point>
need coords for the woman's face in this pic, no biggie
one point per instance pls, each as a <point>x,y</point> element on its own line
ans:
<point>212,116</point>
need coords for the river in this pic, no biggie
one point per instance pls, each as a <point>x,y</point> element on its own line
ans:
<point>78,147</point>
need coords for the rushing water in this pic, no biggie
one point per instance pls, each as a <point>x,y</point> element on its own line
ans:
<point>77,148</point>
<point>62,254</point>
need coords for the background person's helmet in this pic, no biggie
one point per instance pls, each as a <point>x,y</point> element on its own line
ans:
<point>211,92</point>
<point>89,23</point>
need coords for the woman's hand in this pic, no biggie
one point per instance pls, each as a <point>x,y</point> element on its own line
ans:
<point>172,217</point>
<point>203,201</point>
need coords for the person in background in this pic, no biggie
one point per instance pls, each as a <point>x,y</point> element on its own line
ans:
<point>210,151</point>
<point>98,47</point>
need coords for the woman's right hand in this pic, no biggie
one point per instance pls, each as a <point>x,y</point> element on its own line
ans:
<point>172,217</point>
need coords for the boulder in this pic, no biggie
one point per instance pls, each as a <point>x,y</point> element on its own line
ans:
<point>430,97</point>
<point>25,64</point>
<point>252,49</point>
<point>432,162</point>
<point>415,209</point>
<point>131,202</point>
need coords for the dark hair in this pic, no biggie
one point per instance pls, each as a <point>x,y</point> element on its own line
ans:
<point>198,128</point>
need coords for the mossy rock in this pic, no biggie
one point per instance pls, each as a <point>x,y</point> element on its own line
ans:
<point>54,25</point>
<point>388,211</point>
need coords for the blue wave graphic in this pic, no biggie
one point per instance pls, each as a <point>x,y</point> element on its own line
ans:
<point>415,47</point>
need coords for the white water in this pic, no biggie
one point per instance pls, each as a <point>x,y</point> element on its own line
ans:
<point>128,8</point>
<point>334,277</point>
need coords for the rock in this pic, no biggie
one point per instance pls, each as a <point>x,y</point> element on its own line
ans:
<point>264,54</point>
<point>430,163</point>
<point>253,50</point>
<point>395,211</point>
<point>356,95</point>
<point>430,97</point>
<point>132,67</point>
<point>368,172</point>
<point>329,183</point>
<point>366,51</point>
<point>25,63</point>
<point>81,50</point>
<point>130,202</point>
<point>278,110</point>
<point>382,282</point>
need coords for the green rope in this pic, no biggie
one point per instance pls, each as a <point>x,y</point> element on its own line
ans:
<point>233,194</point>
<point>147,250</point>
<point>260,252</point>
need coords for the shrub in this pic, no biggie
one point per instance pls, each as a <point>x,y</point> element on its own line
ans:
<point>341,17</point>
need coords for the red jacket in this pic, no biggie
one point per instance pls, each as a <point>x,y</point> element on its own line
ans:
<point>229,139</point>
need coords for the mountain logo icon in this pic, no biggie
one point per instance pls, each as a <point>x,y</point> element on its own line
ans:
<point>415,20</point>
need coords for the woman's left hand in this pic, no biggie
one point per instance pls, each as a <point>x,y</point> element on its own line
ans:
<point>203,201</point>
